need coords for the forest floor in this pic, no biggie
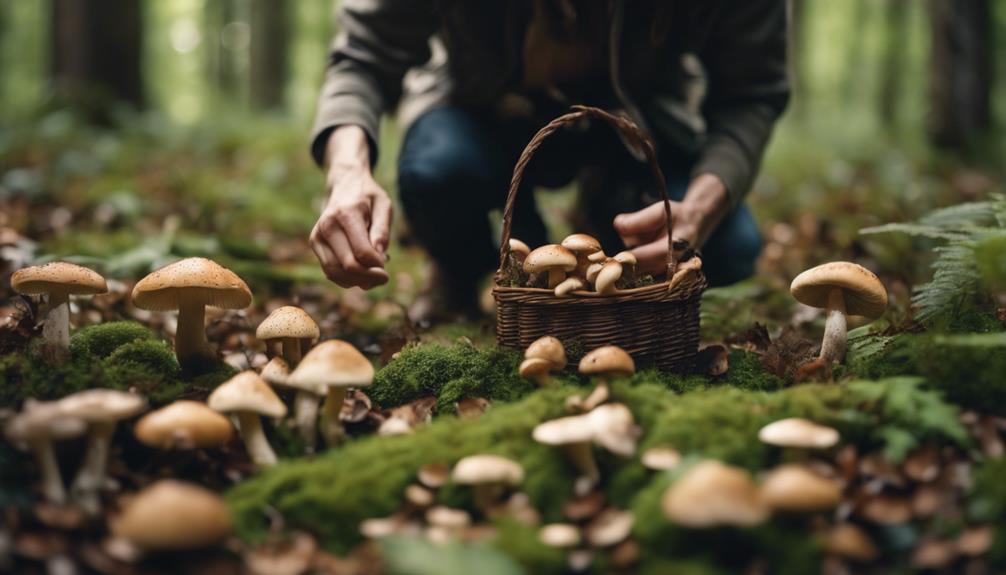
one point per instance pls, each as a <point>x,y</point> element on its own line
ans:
<point>918,402</point>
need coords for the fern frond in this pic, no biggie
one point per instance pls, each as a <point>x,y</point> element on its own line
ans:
<point>915,230</point>
<point>955,282</point>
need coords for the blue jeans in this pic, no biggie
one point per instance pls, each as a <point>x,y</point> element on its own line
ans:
<point>455,167</point>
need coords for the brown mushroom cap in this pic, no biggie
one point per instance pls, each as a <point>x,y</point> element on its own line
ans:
<point>277,372</point>
<point>798,432</point>
<point>548,348</point>
<point>58,277</point>
<point>534,367</point>
<point>477,469</point>
<point>551,256</point>
<point>173,515</point>
<point>184,424</point>
<point>287,321</point>
<point>848,541</point>
<point>607,360</point>
<point>333,363</point>
<point>863,291</point>
<point>102,405</point>
<point>711,494</point>
<point>191,279</point>
<point>796,489</point>
<point>581,244</point>
<point>247,392</point>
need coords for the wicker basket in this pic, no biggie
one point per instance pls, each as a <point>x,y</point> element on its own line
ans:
<point>656,325</point>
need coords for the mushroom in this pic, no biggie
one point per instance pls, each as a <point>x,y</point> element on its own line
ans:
<point>686,270</point>
<point>59,280</point>
<point>627,259</point>
<point>574,434</point>
<point>172,515</point>
<point>607,362</point>
<point>335,366</point>
<point>796,489</point>
<point>276,371</point>
<point>582,246</point>
<point>604,281</point>
<point>289,325</point>
<point>553,259</point>
<point>559,535</point>
<point>248,397</point>
<point>569,285</point>
<point>189,286</point>
<point>489,476</point>
<point>544,355</point>
<point>184,424</point>
<point>660,458</point>
<point>798,432</point>
<point>842,288</point>
<point>614,428</point>
<point>850,542</point>
<point>610,527</point>
<point>102,409</point>
<point>36,428</point>
<point>519,250</point>
<point>712,494</point>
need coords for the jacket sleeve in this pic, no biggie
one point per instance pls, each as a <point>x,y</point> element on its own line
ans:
<point>745,60</point>
<point>377,43</point>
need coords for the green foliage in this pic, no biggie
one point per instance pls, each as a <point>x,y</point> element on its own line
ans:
<point>967,368</point>
<point>155,355</point>
<point>521,542</point>
<point>987,504</point>
<point>417,556</point>
<point>102,339</point>
<point>449,373</point>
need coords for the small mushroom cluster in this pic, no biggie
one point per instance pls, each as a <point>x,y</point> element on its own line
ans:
<point>576,264</point>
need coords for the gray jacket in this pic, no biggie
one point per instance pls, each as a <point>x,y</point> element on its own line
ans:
<point>707,78</point>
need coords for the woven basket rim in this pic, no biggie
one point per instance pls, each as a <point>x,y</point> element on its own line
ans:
<point>682,288</point>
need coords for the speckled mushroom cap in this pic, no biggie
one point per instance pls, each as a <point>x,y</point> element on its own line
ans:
<point>607,360</point>
<point>712,493</point>
<point>333,363</point>
<point>581,244</point>
<point>191,279</point>
<point>796,489</point>
<point>863,291</point>
<point>548,348</point>
<point>288,321</point>
<point>248,392</point>
<point>102,405</point>
<point>184,424</point>
<point>478,469</point>
<point>58,276</point>
<point>173,515</point>
<point>565,430</point>
<point>551,256</point>
<point>798,432</point>
<point>276,372</point>
<point>43,421</point>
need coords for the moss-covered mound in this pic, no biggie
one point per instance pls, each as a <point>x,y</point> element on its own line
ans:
<point>102,339</point>
<point>333,493</point>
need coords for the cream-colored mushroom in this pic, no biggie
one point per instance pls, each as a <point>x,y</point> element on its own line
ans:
<point>275,371</point>
<point>488,475</point>
<point>686,271</point>
<point>575,435</point>
<point>35,428</point>
<point>582,246</point>
<point>796,489</point>
<point>841,288</point>
<point>183,424</point>
<point>712,494</point>
<point>615,429</point>
<point>560,535</point>
<point>519,250</point>
<point>607,277</point>
<point>332,367</point>
<point>569,285</point>
<point>290,325</point>
<point>552,259</point>
<point>101,409</point>
<point>189,286</point>
<point>58,281</point>
<point>798,432</point>
<point>249,397</point>
<point>172,515</point>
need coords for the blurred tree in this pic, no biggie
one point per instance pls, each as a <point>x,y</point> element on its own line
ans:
<point>895,49</point>
<point>96,54</point>
<point>270,35</point>
<point>223,34</point>
<point>960,71</point>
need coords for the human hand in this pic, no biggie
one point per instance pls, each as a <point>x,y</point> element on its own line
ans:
<point>693,219</point>
<point>351,236</point>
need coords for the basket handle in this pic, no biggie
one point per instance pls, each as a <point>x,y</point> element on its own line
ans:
<point>632,135</point>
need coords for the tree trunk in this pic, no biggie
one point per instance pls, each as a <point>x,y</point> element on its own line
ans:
<point>895,44</point>
<point>270,25</point>
<point>221,46</point>
<point>96,54</point>
<point>852,78</point>
<point>960,74</point>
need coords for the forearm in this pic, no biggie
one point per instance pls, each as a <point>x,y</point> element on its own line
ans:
<point>704,206</point>
<point>347,149</point>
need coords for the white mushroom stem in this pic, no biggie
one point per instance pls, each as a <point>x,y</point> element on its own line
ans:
<point>48,468</point>
<point>190,335</point>
<point>291,351</point>
<point>56,329</point>
<point>835,329</point>
<point>331,426</point>
<point>91,476</point>
<point>555,277</point>
<point>305,408</point>
<point>581,455</point>
<point>255,441</point>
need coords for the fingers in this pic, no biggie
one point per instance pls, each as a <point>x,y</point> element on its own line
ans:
<point>353,228</point>
<point>335,270</point>
<point>380,223</point>
<point>643,222</point>
<point>652,257</point>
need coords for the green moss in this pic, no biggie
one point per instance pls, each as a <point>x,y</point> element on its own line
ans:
<point>970,375</point>
<point>521,542</point>
<point>103,339</point>
<point>449,373</point>
<point>156,356</point>
<point>21,377</point>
